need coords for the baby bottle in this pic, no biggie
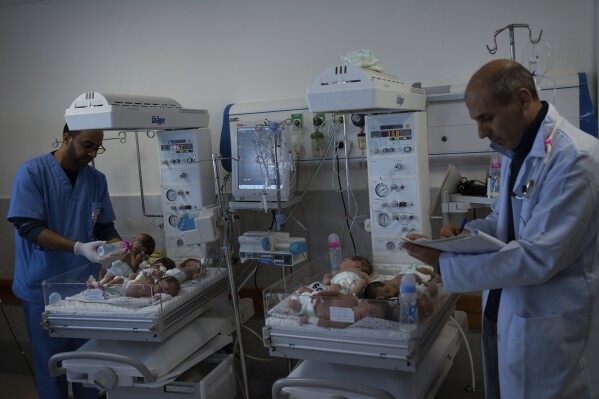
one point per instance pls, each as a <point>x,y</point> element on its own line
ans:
<point>408,310</point>
<point>113,248</point>
<point>334,252</point>
<point>493,182</point>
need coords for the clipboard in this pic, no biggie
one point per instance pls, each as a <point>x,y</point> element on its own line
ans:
<point>477,242</point>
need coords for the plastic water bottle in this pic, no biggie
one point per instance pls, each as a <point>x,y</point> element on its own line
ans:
<point>493,181</point>
<point>113,248</point>
<point>408,311</point>
<point>334,252</point>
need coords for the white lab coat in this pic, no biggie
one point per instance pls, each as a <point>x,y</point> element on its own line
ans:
<point>548,321</point>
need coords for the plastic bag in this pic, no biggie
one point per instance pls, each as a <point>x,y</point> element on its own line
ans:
<point>362,58</point>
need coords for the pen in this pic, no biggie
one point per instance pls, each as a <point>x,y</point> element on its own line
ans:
<point>463,225</point>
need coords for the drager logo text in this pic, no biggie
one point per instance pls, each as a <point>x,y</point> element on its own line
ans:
<point>158,120</point>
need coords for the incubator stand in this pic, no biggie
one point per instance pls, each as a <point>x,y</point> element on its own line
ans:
<point>323,380</point>
<point>368,342</point>
<point>156,347</point>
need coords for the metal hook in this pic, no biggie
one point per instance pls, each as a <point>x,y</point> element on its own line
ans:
<point>121,137</point>
<point>511,32</point>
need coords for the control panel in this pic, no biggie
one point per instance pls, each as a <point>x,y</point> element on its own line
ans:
<point>187,182</point>
<point>397,182</point>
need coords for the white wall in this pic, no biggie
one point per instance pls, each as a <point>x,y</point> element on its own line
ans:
<point>206,54</point>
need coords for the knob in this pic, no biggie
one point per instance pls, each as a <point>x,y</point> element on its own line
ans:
<point>183,175</point>
<point>393,186</point>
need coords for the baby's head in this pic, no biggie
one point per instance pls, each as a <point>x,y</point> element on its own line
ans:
<point>167,285</point>
<point>356,264</point>
<point>380,289</point>
<point>167,263</point>
<point>369,308</point>
<point>145,243</point>
<point>191,264</point>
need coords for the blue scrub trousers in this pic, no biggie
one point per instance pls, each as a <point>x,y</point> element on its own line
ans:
<point>43,347</point>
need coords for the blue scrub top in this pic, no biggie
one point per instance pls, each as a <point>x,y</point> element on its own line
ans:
<point>41,190</point>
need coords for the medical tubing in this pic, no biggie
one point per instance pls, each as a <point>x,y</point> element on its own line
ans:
<point>141,184</point>
<point>14,337</point>
<point>467,349</point>
<point>320,162</point>
<point>345,207</point>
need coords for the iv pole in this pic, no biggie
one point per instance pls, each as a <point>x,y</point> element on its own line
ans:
<point>511,33</point>
<point>226,250</point>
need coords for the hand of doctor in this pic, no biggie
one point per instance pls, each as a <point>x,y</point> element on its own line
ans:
<point>89,250</point>
<point>451,230</point>
<point>427,255</point>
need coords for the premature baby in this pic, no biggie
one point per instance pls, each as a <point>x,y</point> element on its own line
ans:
<point>352,277</point>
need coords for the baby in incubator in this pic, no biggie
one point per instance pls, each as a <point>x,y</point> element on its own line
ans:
<point>315,308</point>
<point>142,246</point>
<point>158,268</point>
<point>189,269</point>
<point>352,277</point>
<point>148,286</point>
<point>427,290</point>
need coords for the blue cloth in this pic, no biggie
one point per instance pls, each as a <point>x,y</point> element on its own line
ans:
<point>45,346</point>
<point>42,191</point>
<point>548,320</point>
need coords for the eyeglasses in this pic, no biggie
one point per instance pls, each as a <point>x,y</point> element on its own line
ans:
<point>89,147</point>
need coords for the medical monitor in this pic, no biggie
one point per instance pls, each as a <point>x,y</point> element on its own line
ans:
<point>260,171</point>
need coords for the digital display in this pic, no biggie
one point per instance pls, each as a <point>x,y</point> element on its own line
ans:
<point>392,134</point>
<point>178,146</point>
<point>182,148</point>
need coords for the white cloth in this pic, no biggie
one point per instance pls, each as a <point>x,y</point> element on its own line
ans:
<point>119,269</point>
<point>548,321</point>
<point>346,280</point>
<point>178,274</point>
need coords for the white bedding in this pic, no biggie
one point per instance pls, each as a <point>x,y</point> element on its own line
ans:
<point>282,316</point>
<point>81,304</point>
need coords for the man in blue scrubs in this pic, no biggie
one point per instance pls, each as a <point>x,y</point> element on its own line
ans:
<point>541,290</point>
<point>61,211</point>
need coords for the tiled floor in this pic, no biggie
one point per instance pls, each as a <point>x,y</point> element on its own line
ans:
<point>15,386</point>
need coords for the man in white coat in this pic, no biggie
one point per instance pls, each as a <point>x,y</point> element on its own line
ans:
<point>540,291</point>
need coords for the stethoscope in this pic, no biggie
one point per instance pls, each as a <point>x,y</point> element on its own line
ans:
<point>527,189</point>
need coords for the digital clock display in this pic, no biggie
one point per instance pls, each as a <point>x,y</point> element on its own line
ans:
<point>398,134</point>
<point>178,146</point>
<point>392,134</point>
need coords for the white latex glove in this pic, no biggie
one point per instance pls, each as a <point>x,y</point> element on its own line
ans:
<point>89,250</point>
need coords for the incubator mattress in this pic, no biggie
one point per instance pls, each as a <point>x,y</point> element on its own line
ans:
<point>150,319</point>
